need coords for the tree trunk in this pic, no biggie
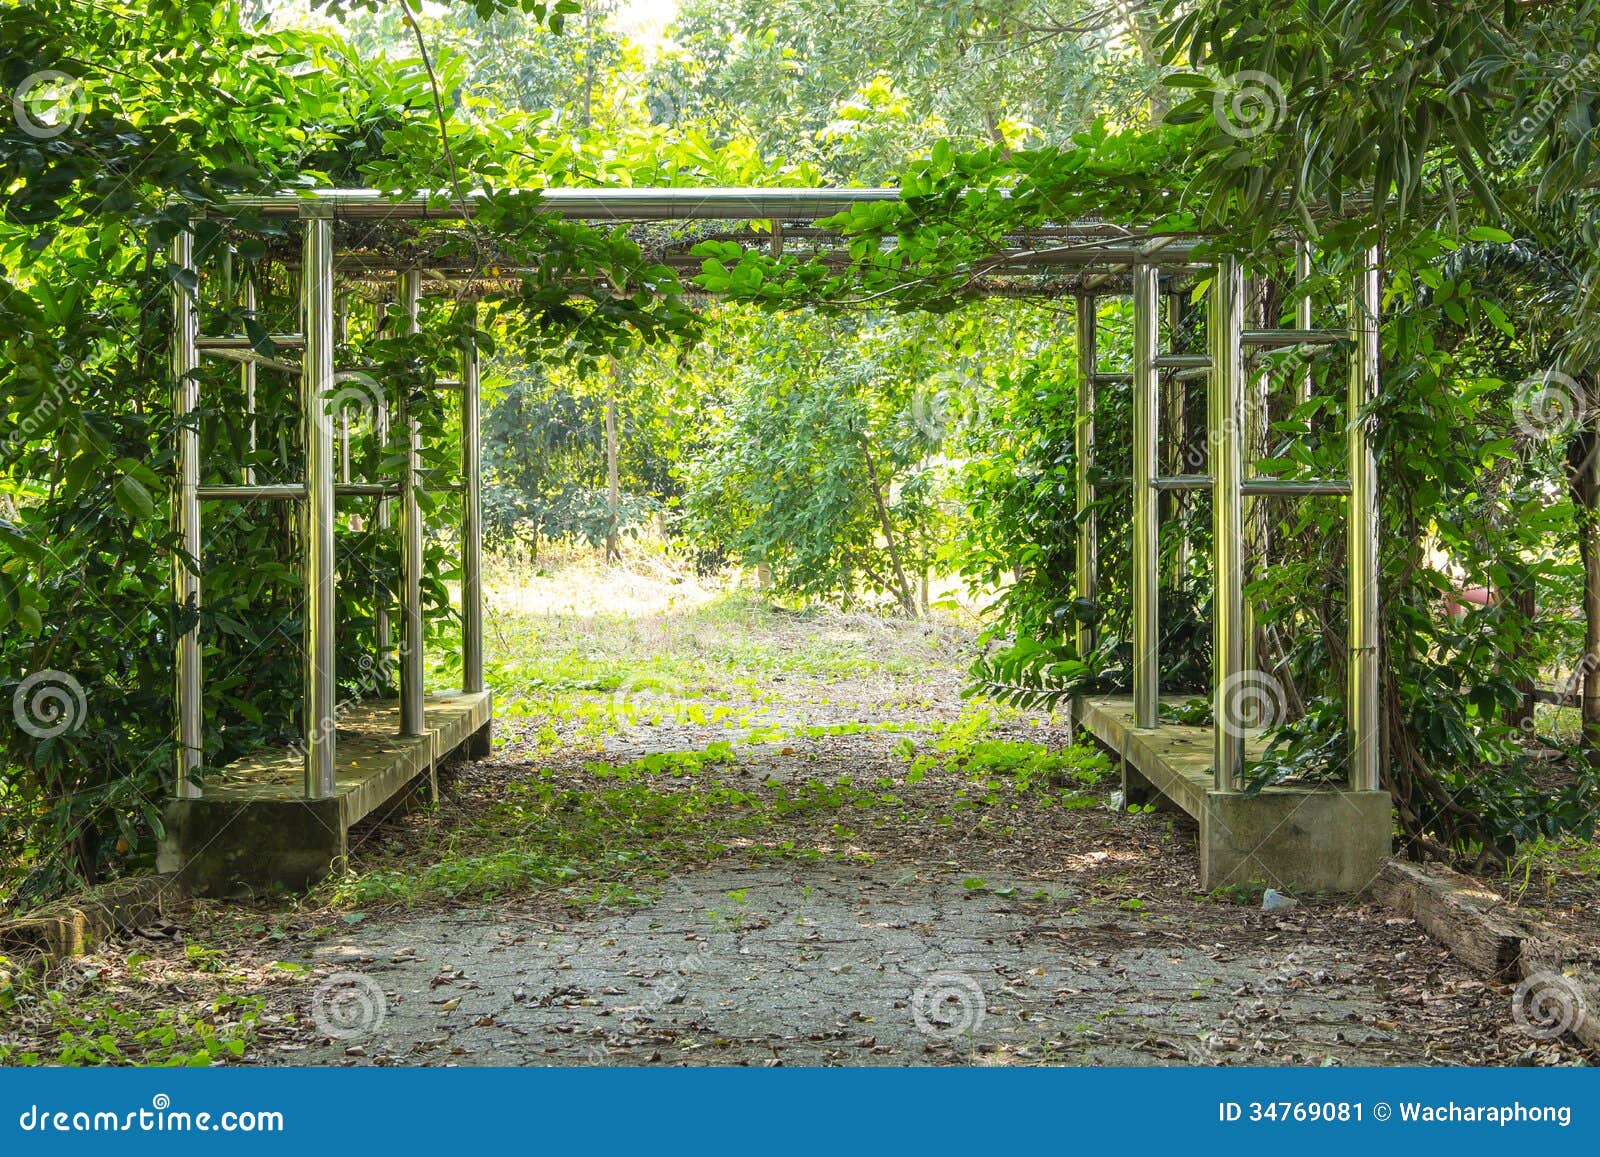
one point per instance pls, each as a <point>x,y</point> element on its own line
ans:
<point>1142,20</point>
<point>908,602</point>
<point>1524,603</point>
<point>613,489</point>
<point>1583,472</point>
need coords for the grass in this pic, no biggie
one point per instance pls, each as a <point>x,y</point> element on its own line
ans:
<point>86,1017</point>
<point>762,729</point>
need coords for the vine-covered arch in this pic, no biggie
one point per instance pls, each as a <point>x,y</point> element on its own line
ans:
<point>509,250</point>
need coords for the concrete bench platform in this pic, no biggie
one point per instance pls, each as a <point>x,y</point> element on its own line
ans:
<point>1294,839</point>
<point>252,830</point>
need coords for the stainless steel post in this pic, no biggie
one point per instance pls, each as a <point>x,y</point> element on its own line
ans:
<point>412,721</point>
<point>1224,425</point>
<point>1176,400</point>
<point>471,518</point>
<point>186,513</point>
<point>1083,446</point>
<point>1146,523</point>
<point>321,677</point>
<point>382,521</point>
<point>341,332</point>
<point>1302,312</point>
<point>247,381</point>
<point>1252,446</point>
<point>1362,545</point>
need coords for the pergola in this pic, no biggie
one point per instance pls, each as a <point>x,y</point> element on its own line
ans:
<point>1295,837</point>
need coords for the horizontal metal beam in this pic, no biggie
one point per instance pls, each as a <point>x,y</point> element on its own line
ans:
<point>239,341</point>
<point>1113,379</point>
<point>1258,485</point>
<point>294,491</point>
<point>286,492</point>
<point>1287,338</point>
<point>1183,362</point>
<point>251,358</point>
<point>610,204</point>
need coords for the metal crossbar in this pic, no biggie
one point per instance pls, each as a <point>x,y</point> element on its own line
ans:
<point>1223,366</point>
<point>316,496</point>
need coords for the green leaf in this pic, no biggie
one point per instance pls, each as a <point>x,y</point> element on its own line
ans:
<point>134,499</point>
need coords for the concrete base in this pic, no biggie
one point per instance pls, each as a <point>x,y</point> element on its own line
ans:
<point>1295,839</point>
<point>1290,838</point>
<point>252,830</point>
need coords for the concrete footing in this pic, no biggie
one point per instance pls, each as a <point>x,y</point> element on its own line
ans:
<point>253,831</point>
<point>1294,839</point>
<point>1291,839</point>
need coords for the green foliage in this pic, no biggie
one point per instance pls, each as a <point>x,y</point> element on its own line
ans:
<point>89,1027</point>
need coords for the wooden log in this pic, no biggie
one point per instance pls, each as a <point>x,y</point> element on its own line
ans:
<point>1578,968</point>
<point>73,926</point>
<point>1456,910</point>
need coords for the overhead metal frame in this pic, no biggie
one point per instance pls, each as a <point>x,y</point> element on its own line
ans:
<point>1089,259</point>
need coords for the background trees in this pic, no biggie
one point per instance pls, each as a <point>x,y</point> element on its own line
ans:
<point>858,454</point>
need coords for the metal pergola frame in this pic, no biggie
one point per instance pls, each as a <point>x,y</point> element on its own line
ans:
<point>1096,258</point>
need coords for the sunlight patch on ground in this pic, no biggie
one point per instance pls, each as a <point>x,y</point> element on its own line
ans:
<point>581,585</point>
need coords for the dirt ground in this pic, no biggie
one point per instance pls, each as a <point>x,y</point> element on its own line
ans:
<point>959,924</point>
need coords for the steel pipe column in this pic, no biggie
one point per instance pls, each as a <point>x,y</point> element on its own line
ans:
<point>1362,529</point>
<point>1083,459</point>
<point>247,382</point>
<point>411,695</point>
<point>471,517</point>
<point>341,334</point>
<point>1253,442</point>
<point>186,511</point>
<point>1176,408</point>
<point>382,521</point>
<point>1302,313</point>
<point>321,678</point>
<point>1146,523</point>
<point>1225,416</point>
